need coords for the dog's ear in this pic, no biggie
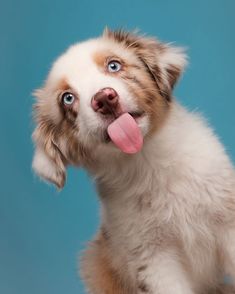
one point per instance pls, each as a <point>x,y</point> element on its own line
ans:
<point>163,62</point>
<point>56,143</point>
<point>48,162</point>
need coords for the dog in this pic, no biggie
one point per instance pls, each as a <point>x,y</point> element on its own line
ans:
<point>165,182</point>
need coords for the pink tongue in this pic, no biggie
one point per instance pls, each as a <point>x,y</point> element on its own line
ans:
<point>125,134</point>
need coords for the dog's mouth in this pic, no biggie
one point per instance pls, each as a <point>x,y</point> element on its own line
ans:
<point>124,132</point>
<point>136,114</point>
<point>110,118</point>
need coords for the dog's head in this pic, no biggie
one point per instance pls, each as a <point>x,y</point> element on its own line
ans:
<point>92,84</point>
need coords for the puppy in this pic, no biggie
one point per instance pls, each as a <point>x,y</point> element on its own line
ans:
<point>166,185</point>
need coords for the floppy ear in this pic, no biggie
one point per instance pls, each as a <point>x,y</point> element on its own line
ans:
<point>165,65</point>
<point>48,161</point>
<point>163,62</point>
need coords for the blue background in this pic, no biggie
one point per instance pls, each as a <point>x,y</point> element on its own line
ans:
<point>43,231</point>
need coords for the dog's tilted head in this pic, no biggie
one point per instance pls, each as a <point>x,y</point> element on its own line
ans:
<point>119,77</point>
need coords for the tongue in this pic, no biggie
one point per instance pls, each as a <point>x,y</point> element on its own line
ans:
<point>125,134</point>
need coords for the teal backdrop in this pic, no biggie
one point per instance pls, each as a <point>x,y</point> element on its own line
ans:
<point>42,231</point>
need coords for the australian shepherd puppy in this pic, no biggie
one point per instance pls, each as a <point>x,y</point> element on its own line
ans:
<point>166,185</point>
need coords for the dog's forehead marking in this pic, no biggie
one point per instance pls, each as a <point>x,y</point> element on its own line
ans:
<point>63,84</point>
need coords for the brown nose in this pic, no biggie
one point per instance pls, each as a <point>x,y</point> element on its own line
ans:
<point>105,101</point>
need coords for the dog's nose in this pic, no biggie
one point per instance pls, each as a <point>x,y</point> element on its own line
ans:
<point>105,101</point>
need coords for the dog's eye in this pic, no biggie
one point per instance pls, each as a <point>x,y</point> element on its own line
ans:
<point>114,66</point>
<point>68,98</point>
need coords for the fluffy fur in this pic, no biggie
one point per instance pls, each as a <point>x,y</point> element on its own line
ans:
<point>168,212</point>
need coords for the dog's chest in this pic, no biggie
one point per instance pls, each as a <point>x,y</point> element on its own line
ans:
<point>135,228</point>
<point>140,224</point>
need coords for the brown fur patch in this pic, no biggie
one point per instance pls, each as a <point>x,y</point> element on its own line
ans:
<point>173,73</point>
<point>96,270</point>
<point>148,98</point>
<point>62,85</point>
<point>151,87</point>
<point>149,51</point>
<point>102,58</point>
<point>69,112</point>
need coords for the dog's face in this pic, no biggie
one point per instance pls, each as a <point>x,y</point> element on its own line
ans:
<point>90,86</point>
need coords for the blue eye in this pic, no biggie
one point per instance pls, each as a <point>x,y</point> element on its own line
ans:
<point>68,98</point>
<point>114,66</point>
